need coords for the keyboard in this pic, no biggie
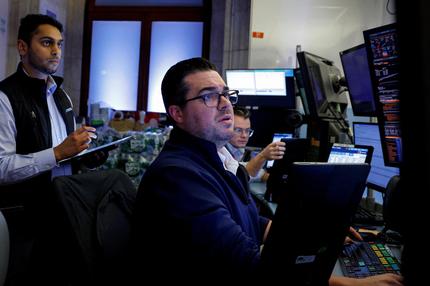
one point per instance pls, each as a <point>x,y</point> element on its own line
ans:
<point>362,259</point>
<point>364,216</point>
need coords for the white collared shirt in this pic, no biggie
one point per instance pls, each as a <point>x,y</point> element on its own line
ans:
<point>230,164</point>
<point>58,127</point>
<point>238,153</point>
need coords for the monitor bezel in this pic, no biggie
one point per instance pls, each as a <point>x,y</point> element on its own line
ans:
<point>355,109</point>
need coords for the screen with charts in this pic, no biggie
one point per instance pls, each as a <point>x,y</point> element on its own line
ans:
<point>349,153</point>
<point>263,87</point>
<point>383,57</point>
<point>380,174</point>
<point>276,138</point>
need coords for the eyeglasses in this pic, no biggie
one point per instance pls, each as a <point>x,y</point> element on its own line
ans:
<point>239,131</point>
<point>213,99</point>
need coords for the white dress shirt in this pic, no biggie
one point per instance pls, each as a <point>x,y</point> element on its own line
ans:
<point>230,164</point>
<point>238,153</point>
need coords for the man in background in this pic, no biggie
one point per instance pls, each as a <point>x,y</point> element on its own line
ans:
<point>236,146</point>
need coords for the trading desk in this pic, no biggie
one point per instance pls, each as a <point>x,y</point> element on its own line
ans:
<point>258,190</point>
<point>396,251</point>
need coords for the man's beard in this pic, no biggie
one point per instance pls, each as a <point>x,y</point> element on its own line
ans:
<point>40,68</point>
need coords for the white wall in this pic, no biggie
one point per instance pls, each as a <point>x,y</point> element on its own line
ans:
<point>322,27</point>
<point>4,12</point>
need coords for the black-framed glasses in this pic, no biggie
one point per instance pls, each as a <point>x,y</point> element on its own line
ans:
<point>212,99</point>
<point>239,131</point>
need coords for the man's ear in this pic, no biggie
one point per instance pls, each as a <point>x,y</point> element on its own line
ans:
<point>176,114</point>
<point>22,48</point>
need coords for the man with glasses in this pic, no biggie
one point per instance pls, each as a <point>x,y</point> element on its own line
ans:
<point>194,220</point>
<point>194,215</point>
<point>236,146</point>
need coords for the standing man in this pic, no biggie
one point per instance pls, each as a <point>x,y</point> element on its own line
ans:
<point>236,146</point>
<point>194,221</point>
<point>37,122</point>
<point>37,128</point>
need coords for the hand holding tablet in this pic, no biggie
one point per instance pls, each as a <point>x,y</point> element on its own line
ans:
<point>106,147</point>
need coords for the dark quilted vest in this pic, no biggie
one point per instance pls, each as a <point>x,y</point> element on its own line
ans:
<point>27,97</point>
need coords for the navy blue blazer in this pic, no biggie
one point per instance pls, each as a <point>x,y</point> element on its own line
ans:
<point>194,217</point>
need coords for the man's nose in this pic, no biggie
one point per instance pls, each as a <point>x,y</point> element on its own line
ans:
<point>55,50</point>
<point>224,103</point>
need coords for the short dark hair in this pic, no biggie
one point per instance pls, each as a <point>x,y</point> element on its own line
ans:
<point>173,87</point>
<point>242,112</point>
<point>31,22</point>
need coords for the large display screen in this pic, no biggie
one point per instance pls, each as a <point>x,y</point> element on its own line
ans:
<point>383,57</point>
<point>263,87</point>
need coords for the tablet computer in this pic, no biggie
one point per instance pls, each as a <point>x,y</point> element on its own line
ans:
<point>105,147</point>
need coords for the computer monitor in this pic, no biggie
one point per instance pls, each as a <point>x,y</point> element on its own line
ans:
<point>323,94</point>
<point>357,76</point>
<point>350,153</point>
<point>263,87</point>
<point>366,133</point>
<point>383,58</point>
<point>318,198</point>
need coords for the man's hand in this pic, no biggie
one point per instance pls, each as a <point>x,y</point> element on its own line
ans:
<point>274,151</point>
<point>76,142</point>
<point>354,233</point>
<point>387,279</point>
